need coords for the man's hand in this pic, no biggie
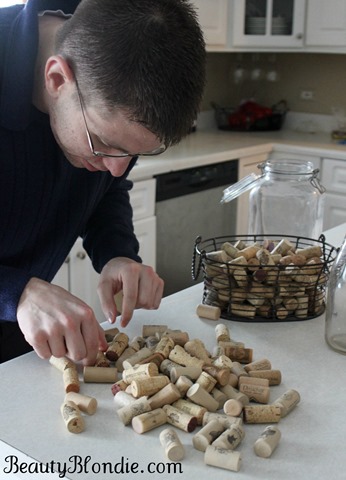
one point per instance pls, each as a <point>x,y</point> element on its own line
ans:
<point>141,287</point>
<point>55,322</point>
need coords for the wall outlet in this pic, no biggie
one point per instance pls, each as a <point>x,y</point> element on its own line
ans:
<point>307,95</point>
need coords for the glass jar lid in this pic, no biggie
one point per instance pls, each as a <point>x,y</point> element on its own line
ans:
<point>237,189</point>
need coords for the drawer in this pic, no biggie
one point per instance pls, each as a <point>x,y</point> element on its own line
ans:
<point>334,175</point>
<point>142,198</point>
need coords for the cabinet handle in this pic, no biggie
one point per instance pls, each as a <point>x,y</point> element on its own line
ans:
<point>81,255</point>
<point>67,259</point>
<point>299,36</point>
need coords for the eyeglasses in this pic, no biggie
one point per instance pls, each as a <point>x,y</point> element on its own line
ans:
<point>96,153</point>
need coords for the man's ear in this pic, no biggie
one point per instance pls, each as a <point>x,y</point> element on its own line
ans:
<point>58,74</point>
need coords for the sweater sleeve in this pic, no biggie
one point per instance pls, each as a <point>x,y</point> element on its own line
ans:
<point>109,232</point>
<point>12,284</point>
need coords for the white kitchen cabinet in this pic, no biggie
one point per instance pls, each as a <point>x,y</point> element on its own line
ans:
<point>246,166</point>
<point>268,23</point>
<point>212,16</point>
<point>326,23</point>
<point>77,274</point>
<point>334,180</point>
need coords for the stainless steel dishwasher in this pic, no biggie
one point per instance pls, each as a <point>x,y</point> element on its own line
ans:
<point>188,205</point>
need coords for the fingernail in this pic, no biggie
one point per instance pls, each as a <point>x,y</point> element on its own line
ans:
<point>111,317</point>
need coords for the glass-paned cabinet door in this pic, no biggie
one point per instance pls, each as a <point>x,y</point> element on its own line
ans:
<point>268,23</point>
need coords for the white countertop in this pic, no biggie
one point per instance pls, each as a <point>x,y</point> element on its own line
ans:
<point>313,435</point>
<point>204,147</point>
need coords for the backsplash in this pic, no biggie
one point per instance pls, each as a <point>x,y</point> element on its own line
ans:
<point>322,74</point>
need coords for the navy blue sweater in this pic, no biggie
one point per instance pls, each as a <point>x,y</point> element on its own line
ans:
<point>45,202</point>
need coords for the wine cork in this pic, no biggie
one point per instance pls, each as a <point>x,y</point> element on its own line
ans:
<point>191,408</point>
<point>155,357</point>
<point>222,458</point>
<point>267,441</point>
<point>238,369</point>
<point>118,345</point>
<point>180,419</point>
<point>206,436</point>
<point>283,247</point>
<point>233,407</point>
<point>222,333</point>
<point>119,386</point>
<point>310,252</point>
<point>101,360</point>
<point>222,361</point>
<point>221,374</point>
<point>137,357</point>
<point>71,380</point>
<point>166,396</point>
<point>273,376</point>
<point>100,374</point>
<point>172,445</point>
<point>287,402</point>
<point>72,417</point>
<point>167,365</point>
<point>208,311</point>
<point>255,393</point>
<point>233,393</point>
<point>151,342</point>
<point>196,348</point>
<point>261,413</point>
<point>253,380</point>
<point>226,420</point>
<point>61,363</point>
<point>143,386</point>
<point>149,420</point>
<point>121,399</point>
<point>180,356</point>
<point>242,310</point>
<point>262,364</point>
<point>206,381</point>
<point>145,370</point>
<point>230,438</point>
<point>191,372</point>
<point>165,345</point>
<point>84,402</point>
<point>239,354</point>
<point>219,396</point>
<point>128,412</point>
<point>198,395</point>
<point>127,353</point>
<point>183,384</point>
<point>148,330</point>
<point>178,337</point>
<point>110,334</point>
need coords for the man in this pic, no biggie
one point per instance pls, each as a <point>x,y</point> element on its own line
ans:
<point>85,88</point>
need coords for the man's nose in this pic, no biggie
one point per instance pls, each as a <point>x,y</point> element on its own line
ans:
<point>116,166</point>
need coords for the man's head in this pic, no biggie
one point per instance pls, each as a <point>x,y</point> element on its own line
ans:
<point>143,57</point>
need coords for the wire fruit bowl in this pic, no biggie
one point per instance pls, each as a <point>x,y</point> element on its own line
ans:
<point>278,289</point>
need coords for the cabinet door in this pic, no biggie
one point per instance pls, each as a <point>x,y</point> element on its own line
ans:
<point>84,279</point>
<point>212,16</point>
<point>334,211</point>
<point>326,23</point>
<point>145,231</point>
<point>247,165</point>
<point>268,23</point>
<point>334,180</point>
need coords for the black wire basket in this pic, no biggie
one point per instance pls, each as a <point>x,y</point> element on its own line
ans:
<point>256,278</point>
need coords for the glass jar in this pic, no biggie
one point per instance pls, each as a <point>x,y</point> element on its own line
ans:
<point>286,198</point>
<point>335,323</point>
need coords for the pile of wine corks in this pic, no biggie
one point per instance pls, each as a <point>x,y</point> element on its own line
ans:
<point>169,379</point>
<point>270,280</point>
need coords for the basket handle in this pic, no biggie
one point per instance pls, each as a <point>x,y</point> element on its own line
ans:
<point>194,272</point>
